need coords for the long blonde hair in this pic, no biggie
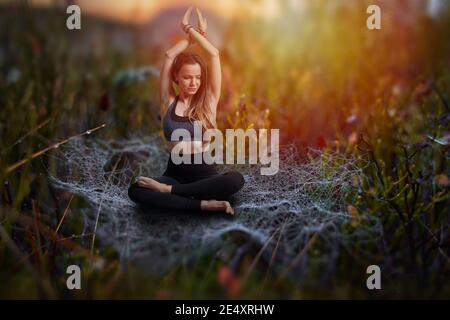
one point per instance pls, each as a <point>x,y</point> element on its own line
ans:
<point>199,108</point>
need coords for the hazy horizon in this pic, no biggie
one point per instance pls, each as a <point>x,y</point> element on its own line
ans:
<point>138,11</point>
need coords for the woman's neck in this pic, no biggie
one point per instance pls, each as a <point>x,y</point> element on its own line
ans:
<point>186,99</point>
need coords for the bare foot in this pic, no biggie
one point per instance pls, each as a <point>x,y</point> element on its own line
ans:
<point>152,184</point>
<point>214,205</point>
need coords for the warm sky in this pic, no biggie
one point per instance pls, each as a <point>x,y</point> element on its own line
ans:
<point>143,10</point>
<point>139,10</point>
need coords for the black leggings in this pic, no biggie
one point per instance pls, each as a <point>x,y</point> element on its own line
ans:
<point>190,183</point>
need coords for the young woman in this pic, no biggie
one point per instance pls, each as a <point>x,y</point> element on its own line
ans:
<point>189,186</point>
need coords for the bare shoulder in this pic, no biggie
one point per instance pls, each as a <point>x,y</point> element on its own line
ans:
<point>165,103</point>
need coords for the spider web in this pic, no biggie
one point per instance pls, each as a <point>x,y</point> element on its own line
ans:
<point>277,216</point>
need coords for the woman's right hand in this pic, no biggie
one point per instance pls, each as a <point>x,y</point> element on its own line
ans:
<point>186,17</point>
<point>201,22</point>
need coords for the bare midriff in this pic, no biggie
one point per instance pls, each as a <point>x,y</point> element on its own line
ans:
<point>189,147</point>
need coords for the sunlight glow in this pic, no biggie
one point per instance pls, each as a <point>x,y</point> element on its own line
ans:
<point>141,10</point>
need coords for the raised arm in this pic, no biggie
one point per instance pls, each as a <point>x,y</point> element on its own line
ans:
<point>215,74</point>
<point>166,92</point>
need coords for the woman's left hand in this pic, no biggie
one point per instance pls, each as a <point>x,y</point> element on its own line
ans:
<point>185,20</point>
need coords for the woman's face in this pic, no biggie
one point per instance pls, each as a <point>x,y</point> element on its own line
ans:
<point>189,78</point>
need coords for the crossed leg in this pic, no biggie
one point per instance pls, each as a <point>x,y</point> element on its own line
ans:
<point>218,187</point>
<point>199,195</point>
<point>146,196</point>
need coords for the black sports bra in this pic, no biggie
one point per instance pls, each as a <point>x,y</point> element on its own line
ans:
<point>173,121</point>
